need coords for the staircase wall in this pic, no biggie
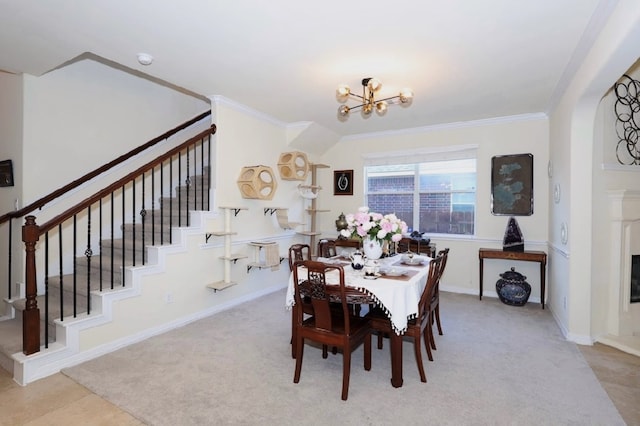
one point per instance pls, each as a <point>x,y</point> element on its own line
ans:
<point>174,291</point>
<point>167,293</point>
<point>87,108</point>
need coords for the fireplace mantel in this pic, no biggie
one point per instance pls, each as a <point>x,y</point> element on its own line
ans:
<point>623,318</point>
<point>624,204</point>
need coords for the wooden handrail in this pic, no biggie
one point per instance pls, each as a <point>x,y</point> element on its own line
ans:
<point>120,182</point>
<point>76,183</point>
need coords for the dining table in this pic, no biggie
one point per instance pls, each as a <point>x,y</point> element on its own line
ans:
<point>396,289</point>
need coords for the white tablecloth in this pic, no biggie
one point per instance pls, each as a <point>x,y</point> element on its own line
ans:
<point>398,298</point>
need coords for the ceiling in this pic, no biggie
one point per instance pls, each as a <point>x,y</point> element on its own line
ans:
<point>463,59</point>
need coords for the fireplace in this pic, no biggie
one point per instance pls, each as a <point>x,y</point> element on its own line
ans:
<point>635,279</point>
<point>623,293</point>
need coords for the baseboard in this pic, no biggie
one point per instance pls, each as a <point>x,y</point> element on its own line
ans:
<point>180,322</point>
<point>58,356</point>
<point>466,290</point>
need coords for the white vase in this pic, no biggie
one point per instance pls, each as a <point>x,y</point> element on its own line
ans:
<point>372,248</point>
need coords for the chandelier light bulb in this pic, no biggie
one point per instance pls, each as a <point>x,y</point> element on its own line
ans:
<point>406,95</point>
<point>367,109</point>
<point>343,110</point>
<point>381,107</point>
<point>374,84</point>
<point>343,91</point>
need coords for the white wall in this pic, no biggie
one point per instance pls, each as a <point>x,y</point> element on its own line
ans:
<point>11,135</point>
<point>510,135</point>
<point>247,138</point>
<point>79,117</point>
<point>10,149</point>
<point>573,145</point>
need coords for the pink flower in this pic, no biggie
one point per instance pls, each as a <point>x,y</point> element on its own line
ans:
<point>374,225</point>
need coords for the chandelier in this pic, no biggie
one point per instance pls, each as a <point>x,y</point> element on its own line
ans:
<point>369,88</point>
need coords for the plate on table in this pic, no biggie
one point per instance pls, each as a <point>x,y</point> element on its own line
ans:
<point>394,272</point>
<point>412,261</point>
<point>371,277</point>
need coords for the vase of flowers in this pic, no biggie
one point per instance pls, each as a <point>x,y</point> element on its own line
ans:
<point>372,248</point>
<point>374,229</point>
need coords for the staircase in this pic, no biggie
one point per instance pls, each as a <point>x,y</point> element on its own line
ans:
<point>78,294</point>
<point>96,276</point>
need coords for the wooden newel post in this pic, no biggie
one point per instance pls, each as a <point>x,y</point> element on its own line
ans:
<point>31,314</point>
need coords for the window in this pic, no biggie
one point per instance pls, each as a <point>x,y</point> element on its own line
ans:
<point>436,197</point>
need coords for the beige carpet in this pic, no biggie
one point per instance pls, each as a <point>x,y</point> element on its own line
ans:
<point>495,365</point>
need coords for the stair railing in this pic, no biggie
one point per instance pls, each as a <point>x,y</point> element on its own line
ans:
<point>40,203</point>
<point>183,169</point>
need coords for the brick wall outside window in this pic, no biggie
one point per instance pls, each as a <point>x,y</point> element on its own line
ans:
<point>394,194</point>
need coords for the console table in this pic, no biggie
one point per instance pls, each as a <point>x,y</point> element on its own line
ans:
<point>526,256</point>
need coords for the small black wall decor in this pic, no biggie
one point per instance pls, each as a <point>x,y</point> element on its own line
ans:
<point>512,185</point>
<point>627,111</point>
<point>6,173</point>
<point>343,182</point>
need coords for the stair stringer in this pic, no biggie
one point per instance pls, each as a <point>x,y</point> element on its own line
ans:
<point>75,342</point>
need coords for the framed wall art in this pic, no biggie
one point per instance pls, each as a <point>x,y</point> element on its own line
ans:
<point>512,185</point>
<point>343,182</point>
<point>6,173</point>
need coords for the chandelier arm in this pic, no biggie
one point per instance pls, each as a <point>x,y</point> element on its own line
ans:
<point>357,96</point>
<point>387,99</point>
<point>356,107</point>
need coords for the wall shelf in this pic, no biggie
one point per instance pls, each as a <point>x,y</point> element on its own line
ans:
<point>234,257</point>
<point>221,285</point>
<point>228,258</point>
<point>217,234</point>
<point>283,219</point>
<point>309,233</point>
<point>272,210</point>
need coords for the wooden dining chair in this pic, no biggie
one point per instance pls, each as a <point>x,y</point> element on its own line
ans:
<point>328,325</point>
<point>418,328</point>
<point>298,252</point>
<point>326,248</point>
<point>435,301</point>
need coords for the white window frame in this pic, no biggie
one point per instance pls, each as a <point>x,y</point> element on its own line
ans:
<point>416,157</point>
